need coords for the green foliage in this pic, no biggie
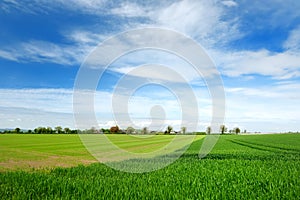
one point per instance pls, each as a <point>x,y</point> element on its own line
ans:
<point>42,130</point>
<point>144,131</point>
<point>239,167</point>
<point>237,130</point>
<point>105,131</point>
<point>130,130</point>
<point>17,130</point>
<point>200,133</point>
<point>223,129</point>
<point>208,130</point>
<point>169,129</point>
<point>48,150</point>
<point>183,130</point>
<point>58,129</point>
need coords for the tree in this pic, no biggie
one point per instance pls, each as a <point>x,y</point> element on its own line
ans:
<point>114,129</point>
<point>169,129</point>
<point>38,130</point>
<point>130,130</point>
<point>17,130</point>
<point>105,131</point>
<point>58,129</point>
<point>67,130</point>
<point>183,130</point>
<point>145,130</point>
<point>223,129</point>
<point>237,130</point>
<point>49,130</point>
<point>208,130</point>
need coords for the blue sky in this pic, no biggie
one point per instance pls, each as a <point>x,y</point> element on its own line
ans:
<point>255,45</point>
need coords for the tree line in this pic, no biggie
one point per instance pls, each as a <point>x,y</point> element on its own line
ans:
<point>43,130</point>
<point>224,130</point>
<point>116,130</point>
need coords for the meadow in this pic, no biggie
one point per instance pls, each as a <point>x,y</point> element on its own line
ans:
<point>239,167</point>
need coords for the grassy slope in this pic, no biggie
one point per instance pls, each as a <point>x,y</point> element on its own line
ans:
<point>239,167</point>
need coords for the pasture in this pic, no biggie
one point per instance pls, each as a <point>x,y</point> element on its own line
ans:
<point>239,167</point>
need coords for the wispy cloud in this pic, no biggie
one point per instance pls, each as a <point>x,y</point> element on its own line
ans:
<point>214,24</point>
<point>7,54</point>
<point>42,52</point>
<point>192,18</point>
<point>283,65</point>
<point>128,9</point>
<point>246,108</point>
<point>230,3</point>
<point>189,17</point>
<point>29,108</point>
<point>44,6</point>
<point>293,41</point>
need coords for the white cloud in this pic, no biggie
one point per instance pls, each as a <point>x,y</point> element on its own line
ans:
<point>127,9</point>
<point>293,40</point>
<point>29,108</point>
<point>278,14</point>
<point>13,5</point>
<point>8,55</point>
<point>44,6</point>
<point>12,117</point>
<point>85,5</point>
<point>134,65</point>
<point>268,108</point>
<point>189,17</point>
<point>281,91</point>
<point>246,107</point>
<point>283,65</point>
<point>84,37</point>
<point>43,52</point>
<point>230,3</point>
<point>206,21</point>
<point>50,100</point>
<point>201,20</point>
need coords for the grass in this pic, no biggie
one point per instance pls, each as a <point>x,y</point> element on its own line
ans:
<point>239,167</point>
<point>140,144</point>
<point>29,151</point>
<point>19,151</point>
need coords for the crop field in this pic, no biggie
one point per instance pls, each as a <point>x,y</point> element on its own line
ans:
<point>239,167</point>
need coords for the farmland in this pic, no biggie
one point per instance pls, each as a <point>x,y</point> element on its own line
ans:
<point>239,167</point>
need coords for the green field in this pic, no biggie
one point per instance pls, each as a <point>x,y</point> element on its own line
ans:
<point>29,152</point>
<point>239,167</point>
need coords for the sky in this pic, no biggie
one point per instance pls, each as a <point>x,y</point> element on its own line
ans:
<point>255,46</point>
